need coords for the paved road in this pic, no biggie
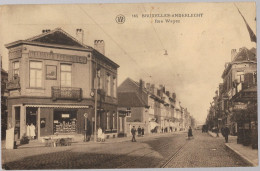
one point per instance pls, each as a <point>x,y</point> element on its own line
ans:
<point>147,152</point>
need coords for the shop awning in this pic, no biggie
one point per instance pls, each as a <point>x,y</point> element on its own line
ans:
<point>58,106</point>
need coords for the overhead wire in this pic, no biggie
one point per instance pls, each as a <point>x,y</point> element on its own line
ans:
<point>120,47</point>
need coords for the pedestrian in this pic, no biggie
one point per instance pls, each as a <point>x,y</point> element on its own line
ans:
<point>32,131</point>
<point>139,130</point>
<point>88,130</point>
<point>142,131</point>
<point>190,133</point>
<point>133,131</point>
<point>226,133</point>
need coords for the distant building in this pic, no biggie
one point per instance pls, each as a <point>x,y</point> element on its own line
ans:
<point>51,84</point>
<point>144,105</point>
<point>239,85</point>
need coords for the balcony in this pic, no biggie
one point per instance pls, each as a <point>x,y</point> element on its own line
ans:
<point>66,93</point>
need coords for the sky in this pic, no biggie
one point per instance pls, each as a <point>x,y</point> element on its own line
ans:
<point>197,47</point>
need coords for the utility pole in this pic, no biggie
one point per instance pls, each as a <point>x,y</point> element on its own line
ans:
<point>95,87</point>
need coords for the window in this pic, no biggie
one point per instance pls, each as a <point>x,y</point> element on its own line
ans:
<point>65,72</point>
<point>114,86</point>
<point>108,85</point>
<point>108,121</point>
<point>114,121</point>
<point>240,77</point>
<point>100,82</point>
<point>16,66</point>
<point>35,74</point>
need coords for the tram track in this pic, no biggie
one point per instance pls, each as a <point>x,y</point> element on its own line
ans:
<point>174,155</point>
<point>129,164</point>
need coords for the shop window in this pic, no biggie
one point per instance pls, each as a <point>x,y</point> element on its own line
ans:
<point>35,74</point>
<point>64,122</point>
<point>65,72</point>
<point>16,66</point>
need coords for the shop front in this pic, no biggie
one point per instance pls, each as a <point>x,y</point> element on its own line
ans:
<point>51,120</point>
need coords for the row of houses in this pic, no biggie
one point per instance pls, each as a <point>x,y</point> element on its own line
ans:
<point>235,102</point>
<point>150,107</point>
<point>52,80</point>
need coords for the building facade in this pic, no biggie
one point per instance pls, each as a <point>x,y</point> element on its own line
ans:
<point>51,85</point>
<point>153,108</point>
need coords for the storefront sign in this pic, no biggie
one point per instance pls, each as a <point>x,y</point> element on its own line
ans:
<point>57,56</point>
<point>65,115</point>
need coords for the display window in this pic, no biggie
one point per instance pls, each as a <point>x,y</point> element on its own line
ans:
<point>65,122</point>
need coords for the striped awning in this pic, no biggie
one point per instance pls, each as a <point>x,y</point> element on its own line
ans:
<point>74,106</point>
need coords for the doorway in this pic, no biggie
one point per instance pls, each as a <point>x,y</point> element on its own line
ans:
<point>31,118</point>
<point>17,127</point>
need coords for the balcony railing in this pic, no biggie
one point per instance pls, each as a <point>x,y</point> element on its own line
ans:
<point>66,93</point>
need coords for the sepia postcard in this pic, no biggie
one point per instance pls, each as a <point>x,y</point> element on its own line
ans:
<point>128,85</point>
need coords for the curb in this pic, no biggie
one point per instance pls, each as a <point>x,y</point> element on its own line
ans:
<point>241,155</point>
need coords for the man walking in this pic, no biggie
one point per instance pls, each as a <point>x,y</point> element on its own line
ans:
<point>226,133</point>
<point>133,131</point>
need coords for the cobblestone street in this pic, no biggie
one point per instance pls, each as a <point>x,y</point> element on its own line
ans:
<point>147,152</point>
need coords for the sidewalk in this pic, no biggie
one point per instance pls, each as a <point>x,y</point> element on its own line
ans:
<point>36,143</point>
<point>246,152</point>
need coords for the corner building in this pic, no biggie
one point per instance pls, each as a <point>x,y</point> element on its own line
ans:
<point>51,84</point>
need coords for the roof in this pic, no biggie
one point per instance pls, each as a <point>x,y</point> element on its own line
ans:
<point>130,99</point>
<point>58,38</point>
<point>130,85</point>
<point>244,55</point>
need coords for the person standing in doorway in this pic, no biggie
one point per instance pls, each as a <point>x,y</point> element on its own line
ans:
<point>226,133</point>
<point>142,131</point>
<point>32,131</point>
<point>133,131</point>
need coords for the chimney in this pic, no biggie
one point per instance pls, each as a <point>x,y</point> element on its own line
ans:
<point>174,96</point>
<point>80,35</point>
<point>46,31</point>
<point>153,89</point>
<point>168,93</point>
<point>226,64</point>
<point>148,86</point>
<point>99,45</point>
<point>162,88</point>
<point>141,86</point>
<point>233,54</point>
